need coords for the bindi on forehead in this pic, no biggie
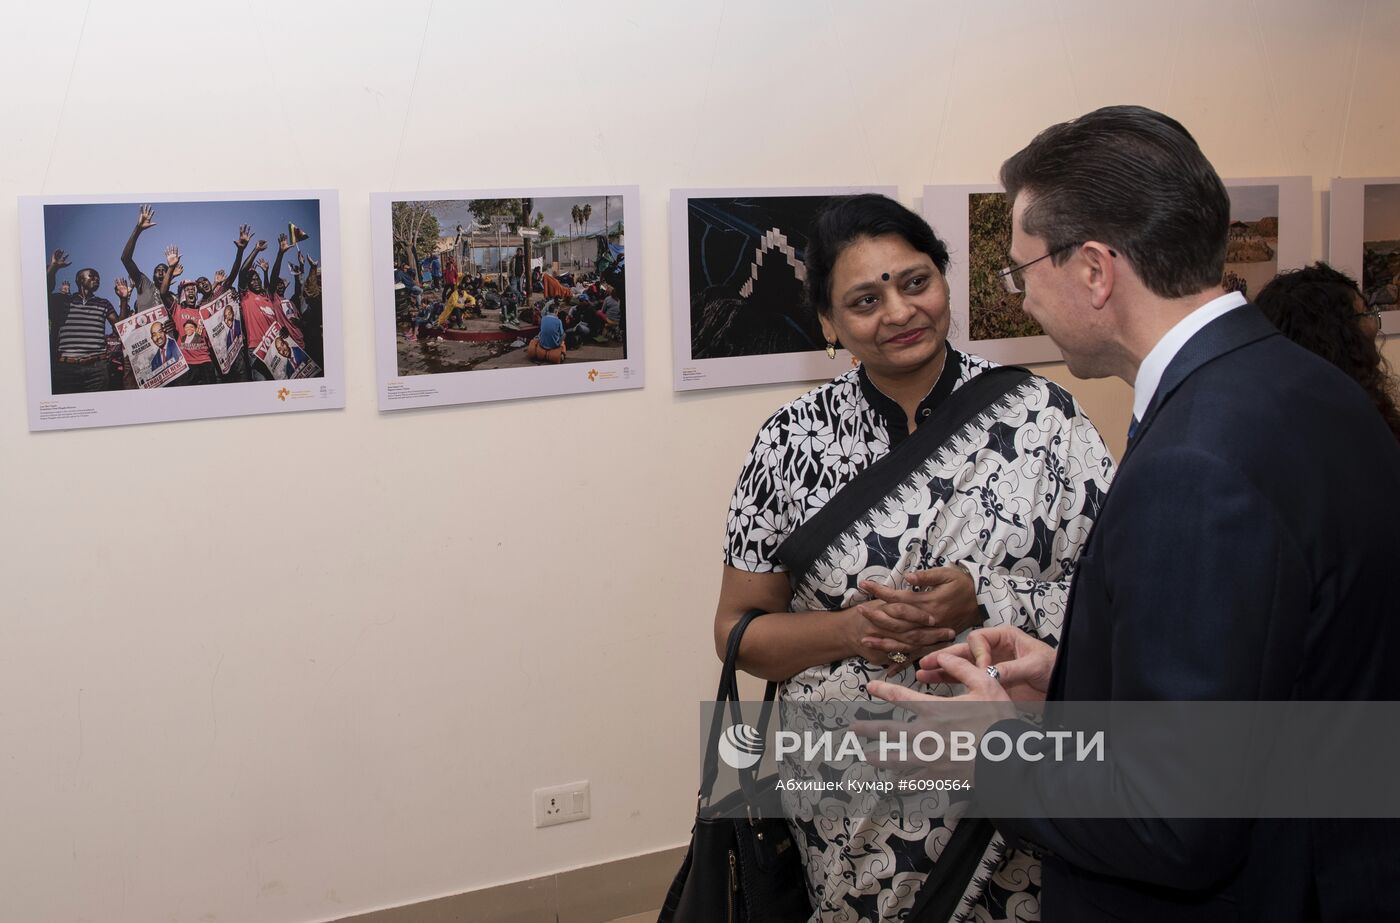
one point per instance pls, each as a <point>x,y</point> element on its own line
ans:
<point>884,277</point>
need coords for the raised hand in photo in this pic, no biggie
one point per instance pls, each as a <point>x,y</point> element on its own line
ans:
<point>245,234</point>
<point>146,219</point>
<point>59,260</point>
<point>122,287</point>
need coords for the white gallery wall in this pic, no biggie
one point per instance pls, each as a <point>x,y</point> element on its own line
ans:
<point>231,719</point>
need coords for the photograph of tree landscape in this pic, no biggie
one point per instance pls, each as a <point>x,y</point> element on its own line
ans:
<point>993,312</point>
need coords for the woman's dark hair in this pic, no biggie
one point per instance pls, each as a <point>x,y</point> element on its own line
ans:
<point>1135,180</point>
<point>847,218</point>
<point>1315,307</point>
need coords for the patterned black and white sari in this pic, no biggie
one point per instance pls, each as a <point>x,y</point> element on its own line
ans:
<point>1008,492</point>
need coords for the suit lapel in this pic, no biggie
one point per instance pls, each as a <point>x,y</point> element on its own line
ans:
<point>1225,334</point>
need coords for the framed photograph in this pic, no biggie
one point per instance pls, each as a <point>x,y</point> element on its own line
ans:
<point>141,309</point>
<point>739,315</point>
<point>975,222</point>
<point>1364,240</point>
<point>491,295</point>
<point>1270,230</point>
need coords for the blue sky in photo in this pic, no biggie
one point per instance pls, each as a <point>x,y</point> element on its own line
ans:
<point>1382,212</point>
<point>94,234</point>
<point>1250,203</point>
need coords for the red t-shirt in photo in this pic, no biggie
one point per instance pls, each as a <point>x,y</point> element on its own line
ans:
<point>196,352</point>
<point>260,312</point>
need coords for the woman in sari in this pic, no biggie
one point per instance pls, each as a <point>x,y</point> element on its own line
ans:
<point>879,516</point>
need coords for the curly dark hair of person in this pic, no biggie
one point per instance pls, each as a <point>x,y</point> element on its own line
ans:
<point>1317,308</point>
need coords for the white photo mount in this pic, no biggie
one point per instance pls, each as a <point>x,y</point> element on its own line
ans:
<point>50,411</point>
<point>946,210</point>
<point>402,392</point>
<point>1295,216</point>
<point>1347,234</point>
<point>692,374</point>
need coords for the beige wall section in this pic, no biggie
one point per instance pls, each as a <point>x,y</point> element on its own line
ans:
<point>487,599</point>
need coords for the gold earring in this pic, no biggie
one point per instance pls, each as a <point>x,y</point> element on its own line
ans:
<point>830,349</point>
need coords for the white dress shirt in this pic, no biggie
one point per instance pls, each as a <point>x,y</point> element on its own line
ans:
<point>1149,374</point>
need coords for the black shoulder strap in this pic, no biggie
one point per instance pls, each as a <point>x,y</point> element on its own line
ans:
<point>945,886</point>
<point>800,550</point>
<point>729,693</point>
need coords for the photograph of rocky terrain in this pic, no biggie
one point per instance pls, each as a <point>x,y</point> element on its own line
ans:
<point>1251,255</point>
<point>1380,273</point>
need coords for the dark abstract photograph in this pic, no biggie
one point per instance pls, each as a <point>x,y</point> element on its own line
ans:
<point>747,276</point>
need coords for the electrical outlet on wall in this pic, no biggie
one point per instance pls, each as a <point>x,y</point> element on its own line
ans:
<point>562,804</point>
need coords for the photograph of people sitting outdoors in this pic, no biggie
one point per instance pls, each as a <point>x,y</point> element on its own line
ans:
<point>508,283</point>
<point>164,295</point>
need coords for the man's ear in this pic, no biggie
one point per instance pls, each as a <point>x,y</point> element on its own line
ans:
<point>1099,272</point>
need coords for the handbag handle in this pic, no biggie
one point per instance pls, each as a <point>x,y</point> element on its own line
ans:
<point>729,693</point>
<point>728,677</point>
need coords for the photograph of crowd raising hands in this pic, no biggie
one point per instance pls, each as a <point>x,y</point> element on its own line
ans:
<point>183,294</point>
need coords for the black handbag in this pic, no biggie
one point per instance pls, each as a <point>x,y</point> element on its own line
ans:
<point>737,869</point>
<point>747,869</point>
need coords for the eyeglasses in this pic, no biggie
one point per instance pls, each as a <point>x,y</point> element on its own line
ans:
<point>1012,279</point>
<point>1375,315</point>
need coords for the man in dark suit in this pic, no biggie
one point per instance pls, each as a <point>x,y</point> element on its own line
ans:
<point>1244,552</point>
